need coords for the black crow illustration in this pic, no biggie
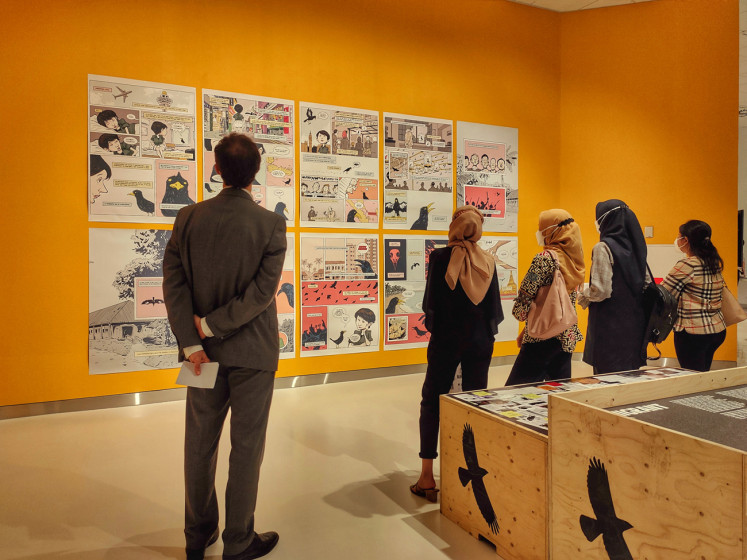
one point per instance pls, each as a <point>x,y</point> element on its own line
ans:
<point>207,187</point>
<point>388,207</point>
<point>333,285</point>
<point>422,221</point>
<point>607,523</point>
<point>414,265</point>
<point>152,301</point>
<point>421,318</point>
<point>177,192</point>
<point>287,289</point>
<point>392,307</point>
<point>145,205</point>
<point>287,181</point>
<point>474,473</point>
<point>366,268</point>
<point>394,168</point>
<point>419,332</point>
<point>339,339</point>
<point>281,210</point>
<point>310,116</point>
<point>365,197</point>
<point>355,213</point>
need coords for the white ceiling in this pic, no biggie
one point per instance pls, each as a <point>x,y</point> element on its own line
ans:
<point>573,5</point>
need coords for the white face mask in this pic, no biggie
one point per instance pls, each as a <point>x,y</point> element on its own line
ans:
<point>597,223</point>
<point>541,236</point>
<point>677,244</point>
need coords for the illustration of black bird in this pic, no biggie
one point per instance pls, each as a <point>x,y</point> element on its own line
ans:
<point>392,307</point>
<point>177,192</point>
<point>333,285</point>
<point>287,181</point>
<point>421,318</point>
<point>355,213</point>
<point>414,265</point>
<point>310,116</point>
<point>347,169</point>
<point>152,301</point>
<point>607,523</point>
<point>394,168</point>
<point>281,210</point>
<point>422,221</point>
<point>339,339</point>
<point>366,268</point>
<point>419,332</point>
<point>474,473</point>
<point>287,289</point>
<point>145,205</point>
<point>365,197</point>
<point>207,187</point>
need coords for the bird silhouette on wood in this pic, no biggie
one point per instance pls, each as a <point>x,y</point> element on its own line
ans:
<point>474,473</point>
<point>606,523</point>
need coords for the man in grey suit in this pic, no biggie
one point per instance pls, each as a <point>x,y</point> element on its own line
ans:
<point>222,267</point>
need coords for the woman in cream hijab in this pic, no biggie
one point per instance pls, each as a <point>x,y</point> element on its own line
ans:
<point>462,306</point>
<point>540,360</point>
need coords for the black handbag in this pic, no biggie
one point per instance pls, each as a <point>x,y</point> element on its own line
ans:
<point>660,310</point>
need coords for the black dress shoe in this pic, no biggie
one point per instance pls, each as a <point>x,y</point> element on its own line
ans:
<point>199,553</point>
<point>262,544</point>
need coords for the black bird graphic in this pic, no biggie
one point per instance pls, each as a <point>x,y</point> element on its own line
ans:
<point>474,473</point>
<point>393,168</point>
<point>422,221</point>
<point>365,197</point>
<point>309,115</point>
<point>392,307</point>
<point>366,268</point>
<point>177,192</point>
<point>207,187</point>
<point>414,265</point>
<point>419,332</point>
<point>333,285</point>
<point>421,318</point>
<point>339,339</point>
<point>145,205</point>
<point>607,523</point>
<point>152,301</point>
<point>281,210</point>
<point>287,181</point>
<point>287,289</point>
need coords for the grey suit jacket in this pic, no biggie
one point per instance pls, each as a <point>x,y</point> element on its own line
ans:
<point>223,262</point>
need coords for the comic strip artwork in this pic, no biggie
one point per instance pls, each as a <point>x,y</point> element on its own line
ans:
<point>286,302</point>
<point>339,167</point>
<point>339,294</point>
<point>405,274</point>
<point>141,150</point>
<point>505,251</point>
<point>418,161</point>
<point>487,173</point>
<point>267,121</point>
<point>127,325</point>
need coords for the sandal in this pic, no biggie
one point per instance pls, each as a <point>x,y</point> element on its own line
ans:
<point>430,494</point>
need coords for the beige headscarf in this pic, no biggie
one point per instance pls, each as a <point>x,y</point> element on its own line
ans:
<point>469,264</point>
<point>565,241</point>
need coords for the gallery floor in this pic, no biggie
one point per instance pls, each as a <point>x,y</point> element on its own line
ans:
<point>107,484</point>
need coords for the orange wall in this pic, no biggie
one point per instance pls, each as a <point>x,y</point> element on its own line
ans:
<point>649,101</point>
<point>487,61</point>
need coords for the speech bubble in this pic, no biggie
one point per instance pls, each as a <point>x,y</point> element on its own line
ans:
<point>339,312</point>
<point>131,117</point>
<point>359,205</point>
<point>177,126</point>
<point>130,140</point>
<point>408,293</point>
<point>281,151</point>
<point>362,247</point>
<point>323,115</point>
<point>277,173</point>
<point>279,192</point>
<point>344,318</point>
<point>259,196</point>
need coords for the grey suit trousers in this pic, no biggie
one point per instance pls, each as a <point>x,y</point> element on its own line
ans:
<point>248,393</point>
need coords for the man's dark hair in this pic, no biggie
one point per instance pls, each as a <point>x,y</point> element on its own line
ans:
<point>324,132</point>
<point>366,314</point>
<point>98,164</point>
<point>238,159</point>
<point>105,115</point>
<point>157,127</point>
<point>104,140</point>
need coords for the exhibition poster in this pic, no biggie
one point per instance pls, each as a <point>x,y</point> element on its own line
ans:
<point>418,161</point>
<point>339,294</point>
<point>405,273</point>
<point>339,166</point>
<point>487,173</point>
<point>141,150</point>
<point>505,251</point>
<point>286,303</point>
<point>267,121</point>
<point>127,325</point>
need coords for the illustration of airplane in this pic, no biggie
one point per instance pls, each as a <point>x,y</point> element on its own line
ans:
<point>122,93</point>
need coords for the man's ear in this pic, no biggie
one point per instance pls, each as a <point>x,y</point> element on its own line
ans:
<point>217,169</point>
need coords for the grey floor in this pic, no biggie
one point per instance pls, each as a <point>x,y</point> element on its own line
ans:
<point>107,484</point>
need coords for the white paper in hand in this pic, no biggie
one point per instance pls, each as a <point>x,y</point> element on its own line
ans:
<point>206,379</point>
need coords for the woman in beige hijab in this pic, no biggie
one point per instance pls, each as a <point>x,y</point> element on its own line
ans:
<point>462,306</point>
<point>540,360</point>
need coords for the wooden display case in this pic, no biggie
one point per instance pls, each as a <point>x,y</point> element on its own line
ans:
<point>505,433</point>
<point>653,471</point>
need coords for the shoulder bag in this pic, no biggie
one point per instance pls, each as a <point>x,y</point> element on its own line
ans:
<point>733,312</point>
<point>551,312</point>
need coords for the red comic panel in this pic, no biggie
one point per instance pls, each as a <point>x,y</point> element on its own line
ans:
<point>314,328</point>
<point>340,292</point>
<point>406,329</point>
<point>490,200</point>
